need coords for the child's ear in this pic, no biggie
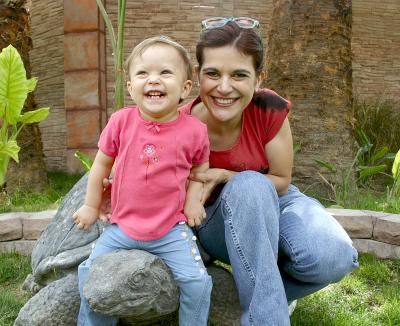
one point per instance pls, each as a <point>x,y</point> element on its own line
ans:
<point>187,87</point>
<point>129,87</point>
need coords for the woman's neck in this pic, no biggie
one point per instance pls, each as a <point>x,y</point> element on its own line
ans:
<point>218,127</point>
<point>222,134</point>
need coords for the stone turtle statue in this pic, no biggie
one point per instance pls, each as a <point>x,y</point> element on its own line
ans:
<point>134,285</point>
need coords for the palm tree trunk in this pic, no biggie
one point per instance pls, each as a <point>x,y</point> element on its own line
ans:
<point>30,173</point>
<point>309,62</point>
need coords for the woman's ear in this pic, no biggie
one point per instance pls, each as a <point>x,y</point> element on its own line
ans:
<point>260,79</point>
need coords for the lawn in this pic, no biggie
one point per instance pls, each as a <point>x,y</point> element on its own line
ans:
<point>369,296</point>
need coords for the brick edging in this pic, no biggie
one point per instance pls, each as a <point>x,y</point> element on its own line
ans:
<point>372,232</point>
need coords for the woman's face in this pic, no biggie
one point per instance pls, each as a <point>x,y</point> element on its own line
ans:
<point>227,82</point>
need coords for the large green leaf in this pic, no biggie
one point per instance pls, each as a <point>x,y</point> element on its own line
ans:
<point>11,149</point>
<point>13,84</point>
<point>34,116</point>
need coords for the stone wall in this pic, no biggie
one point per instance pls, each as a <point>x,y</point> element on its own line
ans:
<point>375,233</point>
<point>375,47</point>
<point>47,59</point>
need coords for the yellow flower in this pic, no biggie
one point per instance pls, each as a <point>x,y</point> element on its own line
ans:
<point>396,164</point>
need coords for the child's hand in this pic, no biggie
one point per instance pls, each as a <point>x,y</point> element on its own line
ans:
<point>195,213</point>
<point>85,216</point>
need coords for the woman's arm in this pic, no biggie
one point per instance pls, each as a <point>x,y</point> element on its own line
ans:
<point>279,152</point>
<point>280,157</point>
<point>88,213</point>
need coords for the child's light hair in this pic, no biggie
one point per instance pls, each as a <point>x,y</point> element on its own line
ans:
<point>161,39</point>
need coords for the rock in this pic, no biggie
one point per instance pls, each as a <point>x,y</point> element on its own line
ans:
<point>62,246</point>
<point>387,229</point>
<point>23,247</point>
<point>225,307</point>
<point>131,283</point>
<point>56,304</point>
<point>10,227</point>
<point>377,249</point>
<point>33,225</point>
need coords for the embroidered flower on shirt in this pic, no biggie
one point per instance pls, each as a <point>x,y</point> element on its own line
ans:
<point>149,154</point>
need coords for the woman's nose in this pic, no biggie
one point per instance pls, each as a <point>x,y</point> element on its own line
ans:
<point>225,85</point>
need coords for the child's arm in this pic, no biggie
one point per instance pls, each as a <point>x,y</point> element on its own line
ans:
<point>88,213</point>
<point>194,209</point>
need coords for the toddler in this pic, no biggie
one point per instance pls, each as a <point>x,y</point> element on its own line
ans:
<point>155,148</point>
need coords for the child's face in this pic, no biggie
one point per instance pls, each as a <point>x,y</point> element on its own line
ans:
<point>158,81</point>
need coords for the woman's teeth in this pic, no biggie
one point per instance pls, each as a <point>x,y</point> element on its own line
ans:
<point>224,101</point>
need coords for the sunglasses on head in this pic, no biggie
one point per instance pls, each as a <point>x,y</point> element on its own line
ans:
<point>217,22</point>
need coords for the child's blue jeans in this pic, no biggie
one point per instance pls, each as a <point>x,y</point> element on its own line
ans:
<point>179,252</point>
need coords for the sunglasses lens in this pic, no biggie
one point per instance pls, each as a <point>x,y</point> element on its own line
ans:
<point>245,22</point>
<point>214,22</point>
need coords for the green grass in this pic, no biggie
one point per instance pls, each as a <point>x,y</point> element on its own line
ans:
<point>369,296</point>
<point>58,185</point>
<point>13,270</point>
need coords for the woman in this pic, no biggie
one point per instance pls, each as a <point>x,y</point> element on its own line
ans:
<point>258,215</point>
<point>281,244</point>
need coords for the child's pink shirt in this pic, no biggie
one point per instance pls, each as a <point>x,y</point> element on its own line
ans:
<point>153,162</point>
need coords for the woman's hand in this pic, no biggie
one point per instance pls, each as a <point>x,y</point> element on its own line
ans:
<point>105,207</point>
<point>210,179</point>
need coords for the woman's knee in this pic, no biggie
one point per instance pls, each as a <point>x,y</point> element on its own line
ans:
<point>325,266</point>
<point>250,189</point>
<point>248,182</point>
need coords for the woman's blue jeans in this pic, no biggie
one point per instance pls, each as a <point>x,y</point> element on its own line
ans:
<point>179,252</point>
<point>280,248</point>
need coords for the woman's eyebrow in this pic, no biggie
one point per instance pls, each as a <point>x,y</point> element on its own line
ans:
<point>242,71</point>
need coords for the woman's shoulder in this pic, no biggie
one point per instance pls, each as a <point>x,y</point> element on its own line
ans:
<point>267,99</point>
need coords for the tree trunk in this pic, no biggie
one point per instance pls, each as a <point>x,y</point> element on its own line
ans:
<point>30,173</point>
<point>309,62</point>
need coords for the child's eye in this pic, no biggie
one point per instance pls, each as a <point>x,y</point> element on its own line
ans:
<point>141,73</point>
<point>166,72</point>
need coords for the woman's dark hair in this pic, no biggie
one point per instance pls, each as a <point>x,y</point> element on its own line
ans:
<point>247,42</point>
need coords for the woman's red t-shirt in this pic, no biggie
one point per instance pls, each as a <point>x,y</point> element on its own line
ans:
<point>259,126</point>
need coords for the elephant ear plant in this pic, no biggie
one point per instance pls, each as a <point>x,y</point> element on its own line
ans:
<point>14,89</point>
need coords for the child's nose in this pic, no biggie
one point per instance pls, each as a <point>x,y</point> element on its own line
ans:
<point>153,79</point>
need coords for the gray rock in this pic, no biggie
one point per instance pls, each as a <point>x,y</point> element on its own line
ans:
<point>55,304</point>
<point>225,307</point>
<point>131,283</point>
<point>62,246</point>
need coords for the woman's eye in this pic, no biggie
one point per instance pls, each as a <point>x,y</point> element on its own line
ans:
<point>212,74</point>
<point>239,76</point>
